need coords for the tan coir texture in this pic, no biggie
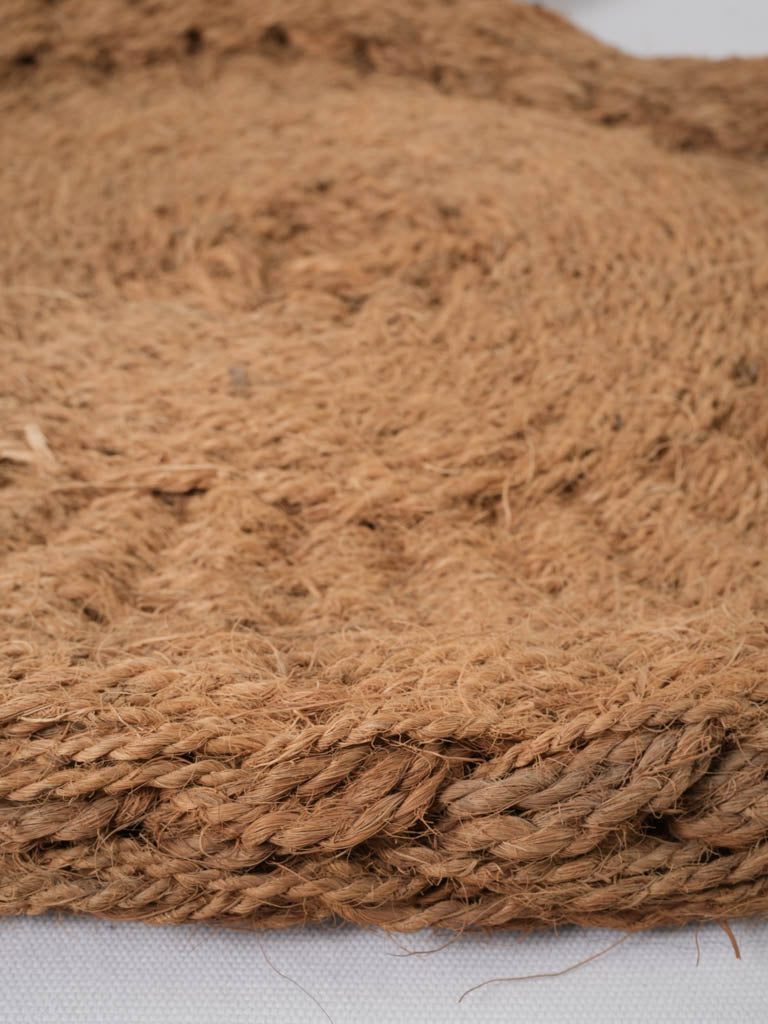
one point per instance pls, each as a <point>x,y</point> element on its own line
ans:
<point>384,490</point>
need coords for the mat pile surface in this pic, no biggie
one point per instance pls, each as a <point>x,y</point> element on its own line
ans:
<point>383,431</point>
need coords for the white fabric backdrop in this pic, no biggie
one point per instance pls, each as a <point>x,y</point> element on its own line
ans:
<point>707,28</point>
<point>70,971</point>
<point>74,971</point>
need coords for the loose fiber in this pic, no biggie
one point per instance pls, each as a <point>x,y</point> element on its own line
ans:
<point>383,439</point>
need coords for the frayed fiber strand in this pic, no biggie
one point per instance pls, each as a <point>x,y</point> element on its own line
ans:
<point>383,480</point>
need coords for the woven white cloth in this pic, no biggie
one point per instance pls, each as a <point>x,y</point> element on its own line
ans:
<point>705,28</point>
<point>76,971</point>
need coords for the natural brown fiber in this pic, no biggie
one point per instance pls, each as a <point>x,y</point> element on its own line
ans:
<point>384,488</point>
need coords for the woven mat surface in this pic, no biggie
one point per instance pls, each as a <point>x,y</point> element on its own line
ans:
<point>382,452</point>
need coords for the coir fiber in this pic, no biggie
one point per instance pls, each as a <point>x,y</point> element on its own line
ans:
<point>384,492</point>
